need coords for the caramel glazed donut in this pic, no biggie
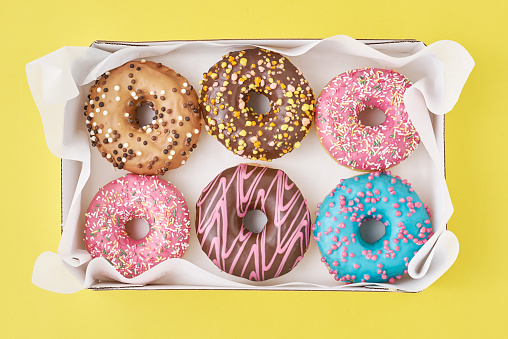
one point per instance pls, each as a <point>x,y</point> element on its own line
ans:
<point>225,93</point>
<point>114,129</point>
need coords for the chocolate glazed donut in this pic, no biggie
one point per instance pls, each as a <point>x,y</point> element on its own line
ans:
<point>223,204</point>
<point>254,135</point>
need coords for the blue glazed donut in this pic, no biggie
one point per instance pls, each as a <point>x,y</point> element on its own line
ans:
<point>381,196</point>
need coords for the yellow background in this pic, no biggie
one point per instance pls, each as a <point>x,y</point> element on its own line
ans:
<point>470,300</point>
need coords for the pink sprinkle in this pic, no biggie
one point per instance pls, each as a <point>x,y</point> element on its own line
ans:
<point>398,214</point>
<point>366,276</point>
<point>391,280</point>
<point>335,263</point>
<point>331,204</point>
<point>356,266</point>
<point>327,214</point>
<point>368,185</point>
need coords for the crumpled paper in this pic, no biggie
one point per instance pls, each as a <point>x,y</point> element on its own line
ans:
<point>61,80</point>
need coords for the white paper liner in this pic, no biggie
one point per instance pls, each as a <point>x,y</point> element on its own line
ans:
<point>61,80</point>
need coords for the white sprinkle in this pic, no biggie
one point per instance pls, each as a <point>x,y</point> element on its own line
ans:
<point>107,73</point>
<point>108,156</point>
<point>143,61</point>
<point>126,115</point>
<point>107,135</point>
<point>91,115</point>
<point>188,135</point>
<point>148,130</point>
<point>99,131</point>
<point>124,160</point>
<point>97,110</point>
<point>172,152</point>
<point>183,162</point>
<point>99,89</point>
<point>180,117</point>
<point>117,98</point>
<point>170,139</point>
<point>125,145</point>
<point>105,112</point>
<point>110,130</point>
<point>183,90</point>
<point>138,153</point>
<point>133,93</point>
<point>152,92</point>
<point>94,124</point>
<point>92,132</point>
<point>91,102</point>
<point>160,121</point>
<point>170,157</point>
<point>103,96</point>
<point>117,88</point>
<point>93,138</point>
<point>154,121</point>
<point>110,139</point>
<point>185,84</point>
<point>163,92</point>
<point>196,131</point>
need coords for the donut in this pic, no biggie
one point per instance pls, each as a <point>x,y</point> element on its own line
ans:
<point>223,204</point>
<point>257,135</point>
<point>150,198</point>
<point>372,196</point>
<point>114,129</point>
<point>353,144</point>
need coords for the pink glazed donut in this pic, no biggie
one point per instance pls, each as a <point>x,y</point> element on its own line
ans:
<point>353,144</point>
<point>150,198</point>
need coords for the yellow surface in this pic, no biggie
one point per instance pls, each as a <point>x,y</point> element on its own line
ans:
<point>470,300</point>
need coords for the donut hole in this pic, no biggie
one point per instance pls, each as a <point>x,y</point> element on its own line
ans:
<point>144,114</point>
<point>254,221</point>
<point>137,228</point>
<point>372,230</point>
<point>258,103</point>
<point>371,116</point>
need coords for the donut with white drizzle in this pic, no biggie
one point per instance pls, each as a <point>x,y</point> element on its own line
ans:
<point>165,143</point>
<point>223,204</point>
<point>254,135</point>
<point>353,144</point>
<point>150,198</point>
<point>372,196</point>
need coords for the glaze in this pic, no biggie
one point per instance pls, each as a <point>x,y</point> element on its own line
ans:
<point>353,144</point>
<point>223,204</point>
<point>165,143</point>
<point>150,198</point>
<point>254,135</point>
<point>378,196</point>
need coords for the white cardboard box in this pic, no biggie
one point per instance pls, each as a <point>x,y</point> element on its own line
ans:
<point>60,83</point>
